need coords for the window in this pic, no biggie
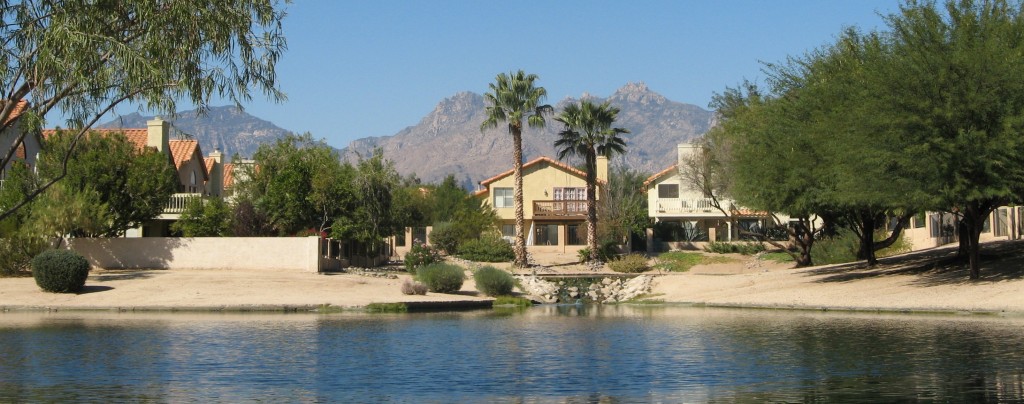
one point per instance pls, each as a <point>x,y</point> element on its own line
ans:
<point>576,234</point>
<point>508,230</point>
<point>668,190</point>
<point>502,197</point>
<point>192,182</point>
<point>919,220</point>
<point>569,194</point>
<point>1002,219</point>
<point>545,234</point>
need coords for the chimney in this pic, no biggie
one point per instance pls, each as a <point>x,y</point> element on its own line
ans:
<point>602,168</point>
<point>215,186</point>
<point>157,137</point>
<point>685,150</point>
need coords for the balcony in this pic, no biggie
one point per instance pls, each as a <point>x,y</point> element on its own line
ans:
<point>560,209</point>
<point>177,202</point>
<point>687,206</point>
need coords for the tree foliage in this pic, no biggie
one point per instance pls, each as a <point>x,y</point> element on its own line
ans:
<point>588,134</point>
<point>108,186</point>
<point>82,59</point>
<point>204,217</point>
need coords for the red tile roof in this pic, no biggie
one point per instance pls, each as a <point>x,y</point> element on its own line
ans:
<point>182,152</point>
<point>138,137</point>
<point>17,111</point>
<point>21,151</point>
<point>229,175</point>
<point>659,174</point>
<point>538,160</point>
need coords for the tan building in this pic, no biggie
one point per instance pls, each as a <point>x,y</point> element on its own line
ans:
<point>554,203</point>
<point>27,149</point>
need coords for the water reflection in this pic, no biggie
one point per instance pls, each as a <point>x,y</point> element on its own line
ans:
<point>564,353</point>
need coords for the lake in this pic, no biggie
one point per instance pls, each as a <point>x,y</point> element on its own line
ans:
<point>576,354</point>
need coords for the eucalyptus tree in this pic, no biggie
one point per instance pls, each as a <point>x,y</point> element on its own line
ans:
<point>83,59</point>
<point>588,134</point>
<point>513,98</point>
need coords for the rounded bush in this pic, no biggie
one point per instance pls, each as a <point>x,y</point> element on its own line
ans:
<point>630,264</point>
<point>487,248</point>
<point>441,278</point>
<point>446,237</point>
<point>60,271</point>
<point>493,281</point>
<point>420,255</point>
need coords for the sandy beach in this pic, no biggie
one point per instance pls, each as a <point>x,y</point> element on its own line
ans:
<point>921,281</point>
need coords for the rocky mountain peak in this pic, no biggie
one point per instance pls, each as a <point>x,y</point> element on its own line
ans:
<point>637,93</point>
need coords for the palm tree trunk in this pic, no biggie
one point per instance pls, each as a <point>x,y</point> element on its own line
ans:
<point>517,172</point>
<point>592,206</point>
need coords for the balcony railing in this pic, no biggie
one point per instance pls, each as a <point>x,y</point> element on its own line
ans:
<point>178,202</point>
<point>699,205</point>
<point>567,209</point>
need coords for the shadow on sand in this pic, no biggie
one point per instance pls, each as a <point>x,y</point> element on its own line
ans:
<point>1000,261</point>
<point>93,289</point>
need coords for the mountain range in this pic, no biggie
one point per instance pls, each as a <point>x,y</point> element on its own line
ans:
<point>449,141</point>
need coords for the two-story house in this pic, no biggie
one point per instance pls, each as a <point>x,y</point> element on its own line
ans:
<point>198,176</point>
<point>554,203</point>
<point>685,215</point>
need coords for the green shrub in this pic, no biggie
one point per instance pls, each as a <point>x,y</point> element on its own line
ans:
<point>60,271</point>
<point>629,263</point>
<point>420,255</point>
<point>493,281</point>
<point>747,248</point>
<point>441,278</point>
<point>488,248</point>
<point>606,253</point>
<point>837,249</point>
<point>16,254</point>
<point>446,237</point>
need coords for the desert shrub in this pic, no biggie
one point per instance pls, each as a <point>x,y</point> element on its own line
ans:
<point>902,245</point>
<point>420,255</point>
<point>489,247</point>
<point>748,248</point>
<point>629,263</point>
<point>837,249</point>
<point>441,278</point>
<point>606,253</point>
<point>16,254</point>
<point>60,271</point>
<point>446,237</point>
<point>411,287</point>
<point>493,281</point>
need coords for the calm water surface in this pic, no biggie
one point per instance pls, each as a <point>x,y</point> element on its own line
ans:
<point>542,354</point>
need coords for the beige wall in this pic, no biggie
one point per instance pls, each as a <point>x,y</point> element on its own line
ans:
<point>538,179</point>
<point>260,253</point>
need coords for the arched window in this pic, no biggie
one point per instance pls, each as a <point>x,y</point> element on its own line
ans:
<point>192,183</point>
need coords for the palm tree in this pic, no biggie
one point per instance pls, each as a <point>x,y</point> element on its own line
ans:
<point>588,133</point>
<point>512,99</point>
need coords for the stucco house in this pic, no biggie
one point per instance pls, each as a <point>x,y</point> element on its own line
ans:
<point>198,176</point>
<point>554,203</point>
<point>685,215</point>
<point>25,149</point>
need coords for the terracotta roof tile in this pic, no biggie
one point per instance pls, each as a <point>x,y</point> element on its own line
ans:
<point>659,174</point>
<point>138,137</point>
<point>19,109</point>
<point>208,162</point>
<point>538,160</point>
<point>229,175</point>
<point>21,151</point>
<point>182,152</point>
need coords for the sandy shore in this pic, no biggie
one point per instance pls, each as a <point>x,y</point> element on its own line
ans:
<point>923,281</point>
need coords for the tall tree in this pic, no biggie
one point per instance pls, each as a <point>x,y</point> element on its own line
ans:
<point>373,216</point>
<point>83,59</point>
<point>955,90</point>
<point>623,205</point>
<point>588,134</point>
<point>514,98</point>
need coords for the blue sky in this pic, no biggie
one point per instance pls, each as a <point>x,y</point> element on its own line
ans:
<point>370,68</point>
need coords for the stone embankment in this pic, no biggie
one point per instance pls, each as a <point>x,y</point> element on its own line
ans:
<point>606,290</point>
